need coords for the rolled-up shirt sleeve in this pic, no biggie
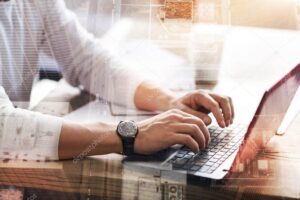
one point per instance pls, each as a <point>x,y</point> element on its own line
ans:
<point>86,60</point>
<point>27,135</point>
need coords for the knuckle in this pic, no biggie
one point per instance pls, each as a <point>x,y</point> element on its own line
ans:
<point>158,125</point>
<point>169,112</point>
<point>201,122</point>
<point>169,135</point>
<point>174,117</point>
<point>188,139</point>
<point>215,105</point>
<point>195,128</point>
<point>201,95</point>
<point>223,100</point>
<point>174,110</point>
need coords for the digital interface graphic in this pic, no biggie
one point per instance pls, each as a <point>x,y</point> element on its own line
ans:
<point>82,61</point>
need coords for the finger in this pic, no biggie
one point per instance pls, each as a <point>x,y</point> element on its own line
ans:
<point>206,119</point>
<point>232,110</point>
<point>176,115</point>
<point>225,106</point>
<point>186,140</point>
<point>191,119</point>
<point>201,125</point>
<point>203,110</point>
<point>192,130</point>
<point>209,103</point>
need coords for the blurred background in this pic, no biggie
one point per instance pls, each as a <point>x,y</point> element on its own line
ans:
<point>192,40</point>
<point>178,27</point>
<point>282,14</point>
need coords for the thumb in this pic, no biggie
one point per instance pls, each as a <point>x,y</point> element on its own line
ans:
<point>205,118</point>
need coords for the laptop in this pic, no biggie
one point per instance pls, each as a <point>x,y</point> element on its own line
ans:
<point>231,149</point>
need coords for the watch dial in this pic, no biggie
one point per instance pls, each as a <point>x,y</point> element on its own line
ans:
<point>127,129</point>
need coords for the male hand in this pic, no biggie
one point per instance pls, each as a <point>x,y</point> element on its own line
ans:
<point>169,128</point>
<point>201,102</point>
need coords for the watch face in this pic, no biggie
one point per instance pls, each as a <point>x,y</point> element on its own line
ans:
<point>127,129</point>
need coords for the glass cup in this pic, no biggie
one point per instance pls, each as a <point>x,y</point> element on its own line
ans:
<point>206,51</point>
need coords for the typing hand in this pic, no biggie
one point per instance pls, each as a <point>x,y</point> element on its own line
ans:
<point>201,102</point>
<point>169,128</point>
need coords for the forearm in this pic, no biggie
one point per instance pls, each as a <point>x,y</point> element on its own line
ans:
<point>149,96</point>
<point>80,140</point>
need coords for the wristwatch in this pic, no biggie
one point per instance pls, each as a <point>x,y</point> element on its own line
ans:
<point>127,131</point>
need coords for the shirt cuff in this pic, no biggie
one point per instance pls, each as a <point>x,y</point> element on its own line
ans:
<point>47,140</point>
<point>30,136</point>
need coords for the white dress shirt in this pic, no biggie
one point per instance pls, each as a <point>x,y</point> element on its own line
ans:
<point>26,28</point>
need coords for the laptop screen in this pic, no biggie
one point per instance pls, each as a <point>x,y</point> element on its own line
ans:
<point>268,117</point>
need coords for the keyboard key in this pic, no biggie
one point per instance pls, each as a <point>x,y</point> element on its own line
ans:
<point>186,167</point>
<point>217,157</point>
<point>218,131</point>
<point>216,165</point>
<point>179,155</point>
<point>220,153</point>
<point>214,134</point>
<point>235,147</point>
<point>209,164</point>
<point>227,155</point>
<point>212,128</point>
<point>222,143</point>
<point>215,150</point>
<point>222,135</point>
<point>206,157</point>
<point>204,168</point>
<point>188,156</point>
<point>210,153</point>
<point>195,168</point>
<point>228,146</point>
<point>180,161</point>
<point>216,140</point>
<point>227,131</point>
<point>219,162</point>
<point>182,151</point>
<point>226,140</point>
<point>231,150</point>
<point>185,149</point>
<point>213,160</point>
<point>173,159</point>
<point>201,162</point>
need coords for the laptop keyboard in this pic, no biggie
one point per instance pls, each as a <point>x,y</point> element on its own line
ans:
<point>224,142</point>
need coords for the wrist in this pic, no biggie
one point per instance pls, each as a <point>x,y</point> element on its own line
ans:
<point>106,139</point>
<point>117,143</point>
<point>150,96</point>
<point>167,100</point>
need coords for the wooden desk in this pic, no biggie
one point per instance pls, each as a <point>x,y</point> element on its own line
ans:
<point>253,59</point>
<point>274,175</point>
